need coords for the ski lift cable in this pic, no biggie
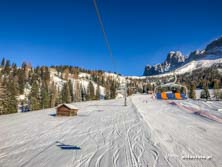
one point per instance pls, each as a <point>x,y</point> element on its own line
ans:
<point>104,34</point>
<point>108,46</point>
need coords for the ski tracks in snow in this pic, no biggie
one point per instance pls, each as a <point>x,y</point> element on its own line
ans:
<point>107,133</point>
<point>124,140</point>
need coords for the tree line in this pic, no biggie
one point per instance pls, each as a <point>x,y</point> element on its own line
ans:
<point>40,91</point>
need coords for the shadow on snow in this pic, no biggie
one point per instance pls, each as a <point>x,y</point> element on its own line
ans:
<point>67,147</point>
<point>52,115</point>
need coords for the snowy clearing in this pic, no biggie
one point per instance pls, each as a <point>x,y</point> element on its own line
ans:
<point>105,133</point>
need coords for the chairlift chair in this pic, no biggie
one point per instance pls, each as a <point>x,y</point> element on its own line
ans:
<point>174,95</point>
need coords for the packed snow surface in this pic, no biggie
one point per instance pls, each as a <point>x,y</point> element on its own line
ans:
<point>147,132</point>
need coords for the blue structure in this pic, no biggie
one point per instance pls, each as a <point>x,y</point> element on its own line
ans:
<point>171,96</point>
<point>158,96</point>
<point>183,96</point>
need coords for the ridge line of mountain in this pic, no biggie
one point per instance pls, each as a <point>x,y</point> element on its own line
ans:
<point>175,59</point>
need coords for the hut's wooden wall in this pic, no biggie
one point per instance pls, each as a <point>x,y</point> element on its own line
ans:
<point>73,112</point>
<point>64,111</point>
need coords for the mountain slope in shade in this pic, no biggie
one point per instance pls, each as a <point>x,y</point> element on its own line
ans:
<point>176,61</point>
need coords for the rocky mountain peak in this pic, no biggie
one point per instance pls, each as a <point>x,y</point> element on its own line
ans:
<point>214,44</point>
<point>173,60</point>
<point>176,59</point>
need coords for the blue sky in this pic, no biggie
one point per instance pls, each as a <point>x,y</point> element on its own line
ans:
<point>140,32</point>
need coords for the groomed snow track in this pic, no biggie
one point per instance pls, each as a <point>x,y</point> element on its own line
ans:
<point>105,133</point>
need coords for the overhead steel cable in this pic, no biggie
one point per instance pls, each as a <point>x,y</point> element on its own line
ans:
<point>104,34</point>
<point>108,46</point>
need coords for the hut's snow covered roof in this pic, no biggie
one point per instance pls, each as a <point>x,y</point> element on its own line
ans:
<point>70,106</point>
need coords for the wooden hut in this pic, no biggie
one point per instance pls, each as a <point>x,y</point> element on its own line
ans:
<point>66,110</point>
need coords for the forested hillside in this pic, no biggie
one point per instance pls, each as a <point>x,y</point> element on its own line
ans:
<point>28,88</point>
<point>32,88</point>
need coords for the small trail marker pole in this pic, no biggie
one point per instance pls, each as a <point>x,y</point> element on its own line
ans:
<point>125,95</point>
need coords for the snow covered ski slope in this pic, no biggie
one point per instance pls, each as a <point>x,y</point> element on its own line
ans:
<point>105,133</point>
<point>184,136</point>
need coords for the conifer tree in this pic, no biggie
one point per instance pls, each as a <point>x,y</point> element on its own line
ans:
<point>205,92</point>
<point>59,98</point>
<point>113,90</point>
<point>3,62</point>
<point>53,96</point>
<point>2,97</point>
<point>71,90</point>
<point>25,69</point>
<point>90,91</point>
<point>77,92</point>
<point>21,81</point>
<point>45,99</point>
<point>11,101</point>
<point>69,97</point>
<point>216,88</point>
<point>7,67</point>
<point>34,97</point>
<point>66,96</point>
<point>107,92</point>
<point>97,92</point>
<point>192,93</point>
<point>83,93</point>
<point>63,93</point>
